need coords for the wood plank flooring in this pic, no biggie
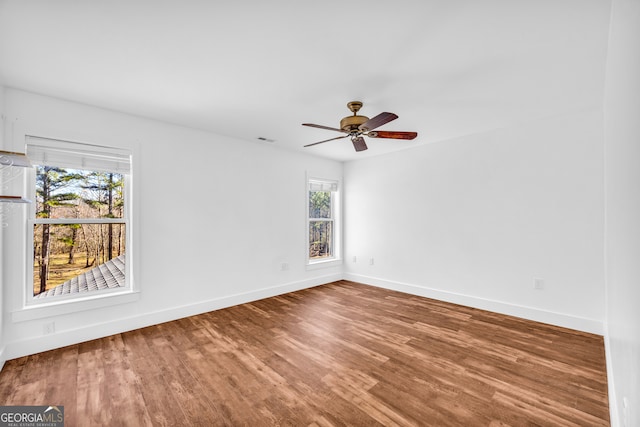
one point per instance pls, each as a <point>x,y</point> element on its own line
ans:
<point>342,354</point>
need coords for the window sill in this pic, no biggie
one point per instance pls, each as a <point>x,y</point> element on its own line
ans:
<point>325,263</point>
<point>57,308</point>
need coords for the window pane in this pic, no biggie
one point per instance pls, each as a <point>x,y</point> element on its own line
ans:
<point>77,258</point>
<point>320,239</point>
<point>319,204</point>
<point>75,193</point>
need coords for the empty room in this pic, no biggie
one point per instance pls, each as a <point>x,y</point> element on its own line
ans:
<point>422,213</point>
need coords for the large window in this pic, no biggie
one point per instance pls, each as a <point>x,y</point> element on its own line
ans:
<point>79,219</point>
<point>322,214</point>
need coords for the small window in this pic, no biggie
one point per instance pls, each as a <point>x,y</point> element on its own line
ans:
<point>80,219</point>
<point>322,235</point>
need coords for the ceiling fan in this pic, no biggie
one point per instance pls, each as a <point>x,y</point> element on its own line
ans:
<point>358,126</point>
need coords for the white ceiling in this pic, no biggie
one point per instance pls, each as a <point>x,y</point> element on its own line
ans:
<point>252,69</point>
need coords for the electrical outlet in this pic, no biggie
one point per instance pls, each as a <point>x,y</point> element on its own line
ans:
<point>355,259</point>
<point>49,328</point>
<point>284,266</point>
<point>538,283</point>
<point>371,261</point>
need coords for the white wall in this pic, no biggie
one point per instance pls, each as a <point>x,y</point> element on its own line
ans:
<point>622,177</point>
<point>214,220</point>
<point>2,339</point>
<point>475,219</point>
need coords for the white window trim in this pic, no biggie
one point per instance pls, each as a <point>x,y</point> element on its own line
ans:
<point>336,213</point>
<point>35,309</point>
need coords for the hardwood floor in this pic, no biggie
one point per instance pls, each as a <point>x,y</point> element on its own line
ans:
<point>338,354</point>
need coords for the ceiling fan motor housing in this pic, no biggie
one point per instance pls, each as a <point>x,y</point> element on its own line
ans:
<point>351,123</point>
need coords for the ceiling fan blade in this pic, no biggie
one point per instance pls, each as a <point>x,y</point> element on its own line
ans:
<point>323,127</point>
<point>326,140</point>
<point>377,121</point>
<point>392,134</point>
<point>359,144</point>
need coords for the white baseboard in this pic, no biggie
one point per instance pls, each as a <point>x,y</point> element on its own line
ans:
<point>613,401</point>
<point>64,338</point>
<point>529,313</point>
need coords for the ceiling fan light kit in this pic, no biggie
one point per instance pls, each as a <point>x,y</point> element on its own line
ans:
<point>356,127</point>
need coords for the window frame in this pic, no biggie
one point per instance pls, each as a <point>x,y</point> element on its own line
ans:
<point>29,301</point>
<point>336,217</point>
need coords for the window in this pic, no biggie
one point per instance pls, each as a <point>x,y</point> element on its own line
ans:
<point>321,220</point>
<point>79,221</point>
